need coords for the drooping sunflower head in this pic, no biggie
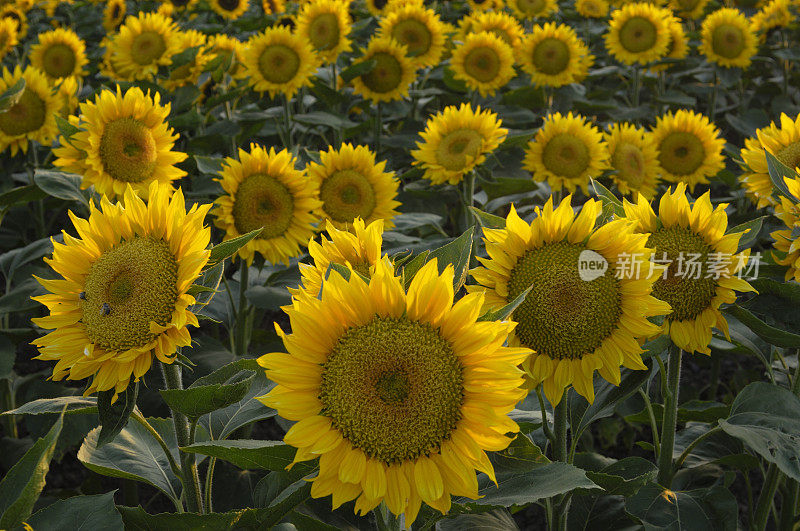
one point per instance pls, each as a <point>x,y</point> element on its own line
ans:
<point>592,8</point>
<point>59,54</point>
<point>638,33</point>
<point>696,261</point>
<point>574,322</point>
<point>189,73</point>
<point>352,186</point>
<point>688,9</point>
<point>634,160</point>
<point>32,117</point>
<point>566,152</point>
<point>357,247</point>
<point>326,25</point>
<point>457,140</point>
<point>554,56</point>
<point>784,143</point>
<point>113,14</point>
<point>392,75</point>
<point>531,9</point>
<point>224,44</point>
<point>8,36</point>
<point>727,38</point>
<point>124,293</point>
<point>264,190</point>
<point>501,24</point>
<point>786,241</point>
<point>418,29</point>
<point>144,43</point>
<point>229,9</point>
<point>279,61</point>
<point>389,389</point>
<point>689,148</point>
<point>484,62</point>
<point>124,140</point>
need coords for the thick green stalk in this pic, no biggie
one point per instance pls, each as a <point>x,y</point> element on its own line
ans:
<point>561,503</point>
<point>378,127</point>
<point>771,481</point>
<point>670,419</point>
<point>242,317</point>
<point>189,476</point>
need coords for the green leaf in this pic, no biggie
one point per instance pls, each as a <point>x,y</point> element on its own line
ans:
<point>20,195</point>
<point>691,411</point>
<point>778,173</point>
<point>701,510</point>
<point>61,185</point>
<point>223,387</point>
<point>358,69</point>
<point>608,198</point>
<point>210,165</point>
<point>79,513</point>
<point>770,334</point>
<point>66,129</point>
<point>413,266</point>
<point>522,455</point>
<point>21,486</point>
<point>766,418</point>
<point>68,404</point>
<point>134,454</point>
<point>751,230</point>
<point>184,57</point>
<point>626,476</point>
<point>114,417</point>
<point>137,519</point>
<point>457,253</point>
<point>496,520</point>
<point>247,454</point>
<point>488,221</point>
<point>505,312</point>
<point>268,297</point>
<point>519,490</point>
<point>229,247</point>
<point>206,286</point>
<point>315,118</point>
<point>11,95</point>
<point>222,422</point>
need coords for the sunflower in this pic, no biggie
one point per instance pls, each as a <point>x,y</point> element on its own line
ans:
<point>682,234</point>
<point>455,141</point>
<point>229,9</point>
<point>124,140</point>
<point>377,7</point>
<point>688,9</point>
<point>638,33</point>
<point>16,14</point>
<point>727,38</point>
<point>326,25</point>
<point>144,43</point>
<point>574,324</point>
<point>32,117</point>
<point>67,93</point>
<point>359,249</point>
<point>530,9</point>
<point>263,189</point>
<point>222,44</point>
<point>689,148</point>
<point>393,72</point>
<point>484,62</point>
<point>113,14</point>
<point>592,8</point>
<point>786,238</point>
<point>189,73</point>
<point>480,6</point>
<point>279,61</point>
<point>398,394</point>
<point>8,36</point>
<point>180,5</point>
<point>776,14</point>
<point>784,143</point>
<point>273,7</point>
<point>351,185</point>
<point>501,24</point>
<point>678,44</point>
<point>554,56</point>
<point>634,159</point>
<point>125,289</point>
<point>566,152</point>
<point>419,29</point>
<point>60,53</point>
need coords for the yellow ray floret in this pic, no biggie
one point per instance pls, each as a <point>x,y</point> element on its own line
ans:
<point>326,25</point>
<point>392,75</point>
<point>279,61</point>
<point>8,36</point>
<point>554,56</point>
<point>786,240</point>
<point>638,33</point>
<point>229,9</point>
<point>634,159</point>
<point>144,43</point>
<point>531,9</point>
<point>32,117</point>
<point>784,143</point>
<point>484,62</point>
<point>59,54</point>
<point>399,394</point>
<point>697,263</point>
<point>418,29</point>
<point>727,38</point>
<point>592,8</point>
<point>123,296</point>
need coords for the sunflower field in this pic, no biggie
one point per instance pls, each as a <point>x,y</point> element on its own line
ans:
<point>399,264</point>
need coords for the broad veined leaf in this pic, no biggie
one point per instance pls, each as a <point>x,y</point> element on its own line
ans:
<point>225,386</point>
<point>701,510</point>
<point>79,513</point>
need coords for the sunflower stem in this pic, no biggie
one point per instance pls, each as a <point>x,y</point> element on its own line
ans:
<point>212,462</point>
<point>545,425</point>
<point>183,433</point>
<point>653,423</point>
<point>712,106</point>
<point>469,198</point>
<point>561,503</point>
<point>670,419</point>
<point>242,338</point>
<point>771,481</point>
<point>287,122</point>
<point>637,81</point>
<point>378,127</point>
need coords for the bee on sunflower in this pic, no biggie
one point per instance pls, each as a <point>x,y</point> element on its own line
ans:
<point>634,159</point>
<point>484,62</point>
<point>638,33</point>
<point>781,141</point>
<point>399,394</point>
<point>727,40</point>
<point>554,56</point>
<point>32,117</point>
<point>124,295</point>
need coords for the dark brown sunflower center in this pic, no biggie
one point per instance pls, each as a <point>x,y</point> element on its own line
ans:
<point>638,35</point>
<point>684,256</point>
<point>629,163</point>
<point>483,64</point>
<point>393,388</point>
<point>324,31</point>
<point>278,63</point>
<point>566,156</point>
<point>263,201</point>
<point>346,195</point>
<point>681,153</point>
<point>728,41</point>
<point>414,34</point>
<point>387,74</point>
<point>551,56</point>
<point>229,5</point>
<point>458,148</point>
<point>148,47</point>
<point>128,150</point>
<point>563,316</point>
<point>790,155</point>
<point>126,289</point>
<point>530,7</point>
<point>27,115</point>
<point>58,60</point>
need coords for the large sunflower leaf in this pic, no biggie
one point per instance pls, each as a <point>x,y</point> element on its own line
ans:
<point>79,513</point>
